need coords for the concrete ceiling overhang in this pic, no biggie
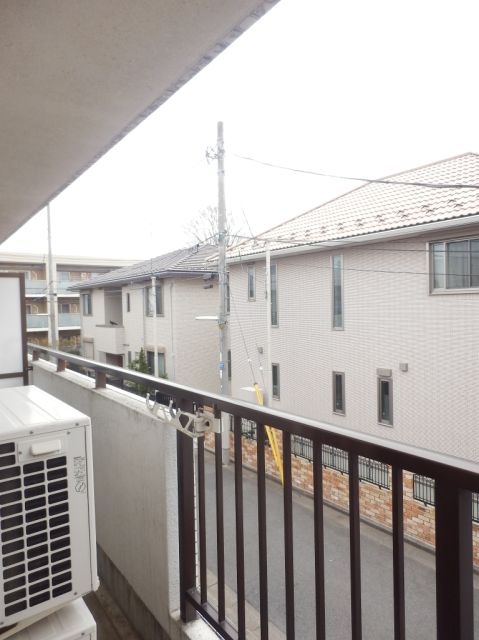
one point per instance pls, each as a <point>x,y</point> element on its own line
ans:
<point>77,75</point>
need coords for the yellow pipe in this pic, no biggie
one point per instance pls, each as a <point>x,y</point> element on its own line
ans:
<point>271,433</point>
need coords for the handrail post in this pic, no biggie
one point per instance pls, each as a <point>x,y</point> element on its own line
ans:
<point>454,573</point>
<point>100,380</point>
<point>186,523</point>
<point>61,364</point>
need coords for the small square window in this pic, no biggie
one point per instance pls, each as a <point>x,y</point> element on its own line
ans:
<point>275,381</point>
<point>149,300</point>
<point>87,304</point>
<point>337,285</point>
<point>251,282</point>
<point>385,401</point>
<point>274,295</point>
<point>338,393</point>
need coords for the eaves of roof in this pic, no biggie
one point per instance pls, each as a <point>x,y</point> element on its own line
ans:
<point>173,273</point>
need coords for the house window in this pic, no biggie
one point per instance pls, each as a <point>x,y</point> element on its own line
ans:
<point>64,307</point>
<point>337,282</point>
<point>128,302</point>
<point>455,264</point>
<point>251,282</point>
<point>150,358</point>
<point>86,304</point>
<point>149,300</point>
<point>229,364</point>
<point>228,293</point>
<point>385,401</point>
<point>275,380</point>
<point>274,295</point>
<point>338,393</point>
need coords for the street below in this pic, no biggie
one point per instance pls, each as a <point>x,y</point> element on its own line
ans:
<point>376,565</point>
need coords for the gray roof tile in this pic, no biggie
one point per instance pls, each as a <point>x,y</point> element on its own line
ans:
<point>198,259</point>
<point>375,207</point>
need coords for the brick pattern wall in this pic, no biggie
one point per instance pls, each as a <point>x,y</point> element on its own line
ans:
<point>375,503</point>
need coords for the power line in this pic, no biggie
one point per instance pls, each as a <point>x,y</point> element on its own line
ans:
<point>429,185</point>
<point>330,244</point>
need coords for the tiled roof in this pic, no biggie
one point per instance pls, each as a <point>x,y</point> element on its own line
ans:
<point>376,207</point>
<point>191,260</point>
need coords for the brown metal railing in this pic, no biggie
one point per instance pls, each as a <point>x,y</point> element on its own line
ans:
<point>454,481</point>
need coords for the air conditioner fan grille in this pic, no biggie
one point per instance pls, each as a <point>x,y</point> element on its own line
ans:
<point>35,530</point>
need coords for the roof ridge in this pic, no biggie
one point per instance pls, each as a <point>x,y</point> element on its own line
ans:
<point>430,164</point>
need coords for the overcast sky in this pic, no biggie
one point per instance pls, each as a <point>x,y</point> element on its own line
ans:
<point>354,88</point>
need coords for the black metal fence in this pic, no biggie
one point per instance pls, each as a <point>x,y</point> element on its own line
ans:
<point>424,491</point>
<point>454,485</point>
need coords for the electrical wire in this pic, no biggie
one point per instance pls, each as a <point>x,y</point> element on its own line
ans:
<point>330,244</point>
<point>243,339</point>
<point>428,185</point>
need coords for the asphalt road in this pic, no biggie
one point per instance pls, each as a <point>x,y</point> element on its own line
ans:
<point>376,561</point>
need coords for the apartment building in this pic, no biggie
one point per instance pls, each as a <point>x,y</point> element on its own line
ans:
<point>372,321</point>
<point>173,316</point>
<point>66,270</point>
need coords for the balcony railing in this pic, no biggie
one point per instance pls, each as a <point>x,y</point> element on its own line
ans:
<point>37,321</point>
<point>36,287</point>
<point>455,480</point>
<point>68,320</point>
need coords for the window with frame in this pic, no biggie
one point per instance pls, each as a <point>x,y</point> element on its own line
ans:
<point>275,381</point>
<point>274,294</point>
<point>150,358</point>
<point>87,309</point>
<point>385,401</point>
<point>149,300</point>
<point>338,393</point>
<point>337,284</point>
<point>128,302</point>
<point>64,307</point>
<point>251,282</point>
<point>454,264</point>
<point>229,370</point>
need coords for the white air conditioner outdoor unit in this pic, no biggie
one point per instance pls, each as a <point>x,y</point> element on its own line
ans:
<point>72,622</point>
<point>47,521</point>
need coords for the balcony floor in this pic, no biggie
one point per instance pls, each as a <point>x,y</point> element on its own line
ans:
<point>111,623</point>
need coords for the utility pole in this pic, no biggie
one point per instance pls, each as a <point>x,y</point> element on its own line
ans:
<point>52,298</point>
<point>225,438</point>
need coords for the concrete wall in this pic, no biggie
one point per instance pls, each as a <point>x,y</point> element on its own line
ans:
<point>88,323</point>
<point>190,345</point>
<point>196,341</point>
<point>113,307</point>
<point>390,317</point>
<point>135,490</point>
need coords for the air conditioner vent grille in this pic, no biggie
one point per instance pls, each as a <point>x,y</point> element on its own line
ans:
<point>35,530</point>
